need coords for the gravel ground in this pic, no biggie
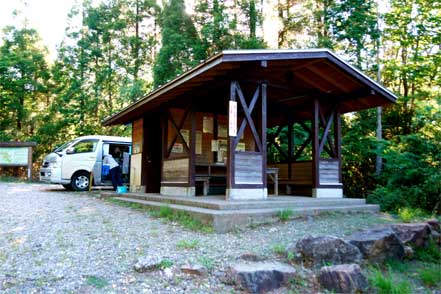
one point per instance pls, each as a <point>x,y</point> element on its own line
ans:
<point>54,241</point>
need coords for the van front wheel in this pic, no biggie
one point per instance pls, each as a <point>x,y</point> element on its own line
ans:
<point>80,181</point>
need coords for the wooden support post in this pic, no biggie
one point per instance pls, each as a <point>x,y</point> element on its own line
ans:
<point>29,163</point>
<point>191,172</point>
<point>337,141</point>
<point>231,145</point>
<point>263,134</point>
<point>290,147</point>
<point>315,145</point>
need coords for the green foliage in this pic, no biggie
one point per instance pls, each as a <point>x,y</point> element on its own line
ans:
<point>279,249</point>
<point>207,262</point>
<point>408,215</point>
<point>97,282</point>
<point>285,214</point>
<point>430,253</point>
<point>187,244</point>
<point>411,175</point>
<point>431,275</point>
<point>183,218</point>
<point>386,283</point>
<point>165,263</point>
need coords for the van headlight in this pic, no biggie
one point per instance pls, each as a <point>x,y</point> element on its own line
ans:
<point>54,165</point>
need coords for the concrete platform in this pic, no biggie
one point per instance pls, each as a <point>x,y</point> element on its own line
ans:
<point>226,215</point>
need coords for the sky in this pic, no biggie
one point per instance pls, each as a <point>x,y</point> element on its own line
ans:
<point>48,17</point>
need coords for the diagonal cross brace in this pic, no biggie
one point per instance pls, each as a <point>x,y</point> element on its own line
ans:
<point>248,119</point>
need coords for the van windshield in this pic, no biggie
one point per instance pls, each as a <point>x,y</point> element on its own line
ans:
<point>62,147</point>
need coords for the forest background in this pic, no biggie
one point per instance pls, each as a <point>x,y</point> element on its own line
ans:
<point>116,51</point>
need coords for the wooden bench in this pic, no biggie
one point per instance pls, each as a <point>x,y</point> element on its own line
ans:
<point>209,174</point>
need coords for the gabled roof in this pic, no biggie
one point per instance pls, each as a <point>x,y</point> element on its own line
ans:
<point>293,76</point>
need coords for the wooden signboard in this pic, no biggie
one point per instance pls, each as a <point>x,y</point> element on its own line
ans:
<point>15,154</point>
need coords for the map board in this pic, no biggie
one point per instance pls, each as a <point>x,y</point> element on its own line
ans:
<point>14,156</point>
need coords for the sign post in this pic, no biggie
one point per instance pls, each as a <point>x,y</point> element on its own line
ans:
<point>15,154</point>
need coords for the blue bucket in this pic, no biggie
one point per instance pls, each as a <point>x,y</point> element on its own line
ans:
<point>105,170</point>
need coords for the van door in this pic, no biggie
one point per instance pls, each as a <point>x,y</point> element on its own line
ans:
<point>81,156</point>
<point>120,151</point>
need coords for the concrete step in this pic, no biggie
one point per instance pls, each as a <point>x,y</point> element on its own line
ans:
<point>226,220</point>
<point>217,203</point>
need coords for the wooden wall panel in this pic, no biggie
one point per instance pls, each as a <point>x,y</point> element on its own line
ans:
<point>248,168</point>
<point>137,136</point>
<point>175,170</point>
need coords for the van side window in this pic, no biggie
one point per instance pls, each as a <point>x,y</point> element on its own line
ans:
<point>85,146</point>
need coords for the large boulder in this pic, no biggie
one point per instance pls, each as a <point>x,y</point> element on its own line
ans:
<point>379,244</point>
<point>260,277</point>
<point>318,251</point>
<point>343,278</point>
<point>414,235</point>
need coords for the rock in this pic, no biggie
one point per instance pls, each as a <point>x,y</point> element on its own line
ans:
<point>434,225</point>
<point>317,251</point>
<point>147,263</point>
<point>408,252</point>
<point>196,269</point>
<point>343,278</point>
<point>377,245</point>
<point>251,257</point>
<point>260,277</point>
<point>415,235</point>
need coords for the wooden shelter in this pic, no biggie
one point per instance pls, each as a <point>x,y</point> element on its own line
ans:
<point>205,132</point>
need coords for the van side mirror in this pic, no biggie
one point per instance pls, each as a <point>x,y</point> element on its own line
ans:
<point>70,150</point>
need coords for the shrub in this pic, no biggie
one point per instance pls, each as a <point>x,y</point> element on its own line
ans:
<point>409,214</point>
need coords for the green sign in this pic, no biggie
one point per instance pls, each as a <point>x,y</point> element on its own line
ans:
<point>14,156</point>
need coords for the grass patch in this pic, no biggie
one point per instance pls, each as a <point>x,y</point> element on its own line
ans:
<point>187,244</point>
<point>387,283</point>
<point>431,275</point>
<point>279,249</point>
<point>165,263</point>
<point>430,253</point>
<point>207,262</point>
<point>285,214</point>
<point>166,212</point>
<point>97,282</point>
<point>397,266</point>
<point>132,205</point>
<point>183,218</point>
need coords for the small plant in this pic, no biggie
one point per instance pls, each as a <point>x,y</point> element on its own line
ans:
<point>386,284</point>
<point>97,282</point>
<point>207,262</point>
<point>165,263</point>
<point>290,256</point>
<point>431,276</point>
<point>190,244</point>
<point>279,249</point>
<point>285,214</point>
<point>409,214</point>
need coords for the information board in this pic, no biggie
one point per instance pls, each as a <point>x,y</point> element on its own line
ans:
<point>14,156</point>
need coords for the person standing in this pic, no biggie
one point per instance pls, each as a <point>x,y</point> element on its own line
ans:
<point>115,171</point>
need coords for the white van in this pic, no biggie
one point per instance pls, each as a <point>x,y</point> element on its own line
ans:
<point>71,164</point>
